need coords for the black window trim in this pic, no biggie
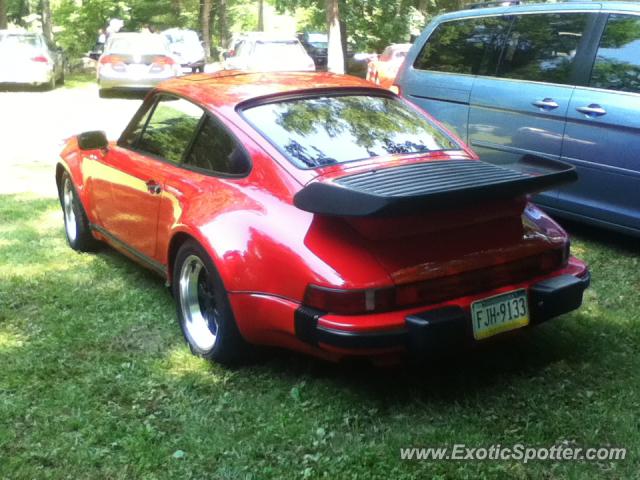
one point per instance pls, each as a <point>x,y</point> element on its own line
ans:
<point>153,101</point>
<point>334,92</point>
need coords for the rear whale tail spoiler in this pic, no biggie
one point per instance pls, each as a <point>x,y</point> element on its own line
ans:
<point>434,185</point>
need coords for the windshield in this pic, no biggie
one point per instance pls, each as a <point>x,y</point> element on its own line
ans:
<point>320,131</point>
<point>183,36</point>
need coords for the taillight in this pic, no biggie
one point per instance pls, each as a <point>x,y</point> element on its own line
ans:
<point>162,60</point>
<point>376,300</point>
<point>40,59</point>
<point>349,302</point>
<point>110,59</point>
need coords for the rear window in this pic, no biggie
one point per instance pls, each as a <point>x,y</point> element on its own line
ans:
<point>20,40</point>
<point>285,48</point>
<point>137,44</point>
<point>327,130</point>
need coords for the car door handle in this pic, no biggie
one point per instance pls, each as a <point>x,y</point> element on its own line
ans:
<point>153,187</point>
<point>547,104</point>
<point>593,110</point>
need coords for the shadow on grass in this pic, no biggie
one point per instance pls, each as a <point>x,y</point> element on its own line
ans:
<point>608,238</point>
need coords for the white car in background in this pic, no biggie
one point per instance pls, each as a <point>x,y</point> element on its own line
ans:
<point>29,59</point>
<point>187,48</point>
<point>263,52</point>
<point>135,61</point>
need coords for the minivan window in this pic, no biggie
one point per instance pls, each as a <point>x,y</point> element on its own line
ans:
<point>470,46</point>
<point>617,63</point>
<point>543,47</point>
<point>319,131</point>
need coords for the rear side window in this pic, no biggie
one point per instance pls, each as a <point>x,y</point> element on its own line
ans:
<point>470,46</point>
<point>319,131</point>
<point>617,63</point>
<point>170,129</point>
<point>543,47</point>
<point>216,151</point>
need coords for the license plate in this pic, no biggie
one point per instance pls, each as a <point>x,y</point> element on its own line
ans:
<point>499,314</point>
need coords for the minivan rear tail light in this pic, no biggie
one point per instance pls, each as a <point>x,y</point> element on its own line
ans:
<point>40,59</point>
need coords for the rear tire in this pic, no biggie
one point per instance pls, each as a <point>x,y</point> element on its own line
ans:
<point>203,309</point>
<point>76,225</point>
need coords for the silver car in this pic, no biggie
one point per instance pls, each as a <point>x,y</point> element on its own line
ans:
<point>135,61</point>
<point>263,52</point>
<point>29,59</point>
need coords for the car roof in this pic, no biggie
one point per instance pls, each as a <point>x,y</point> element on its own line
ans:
<point>230,88</point>
<point>542,7</point>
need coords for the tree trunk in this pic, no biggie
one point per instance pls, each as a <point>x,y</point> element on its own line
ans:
<point>205,14</point>
<point>46,20</point>
<point>423,6</point>
<point>261,15</point>
<point>223,24</point>
<point>335,61</point>
<point>3,14</point>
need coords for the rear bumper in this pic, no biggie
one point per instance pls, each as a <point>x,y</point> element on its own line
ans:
<point>441,328</point>
<point>29,75</point>
<point>131,83</point>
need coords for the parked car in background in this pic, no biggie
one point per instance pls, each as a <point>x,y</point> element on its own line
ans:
<point>30,59</point>
<point>383,69</point>
<point>560,80</point>
<point>316,45</point>
<point>186,48</point>
<point>269,53</point>
<point>135,61</point>
<point>320,213</point>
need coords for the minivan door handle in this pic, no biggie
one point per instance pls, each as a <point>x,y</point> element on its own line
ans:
<point>547,104</point>
<point>593,110</point>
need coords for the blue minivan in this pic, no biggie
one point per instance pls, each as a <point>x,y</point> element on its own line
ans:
<point>558,80</point>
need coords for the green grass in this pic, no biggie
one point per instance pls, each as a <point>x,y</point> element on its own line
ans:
<point>96,382</point>
<point>79,79</point>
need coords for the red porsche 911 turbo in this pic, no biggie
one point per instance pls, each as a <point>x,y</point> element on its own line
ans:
<point>320,213</point>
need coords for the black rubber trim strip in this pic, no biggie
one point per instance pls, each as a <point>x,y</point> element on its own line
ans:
<point>432,185</point>
<point>378,339</point>
<point>144,259</point>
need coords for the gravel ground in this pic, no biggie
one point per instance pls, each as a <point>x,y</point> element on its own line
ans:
<point>35,124</point>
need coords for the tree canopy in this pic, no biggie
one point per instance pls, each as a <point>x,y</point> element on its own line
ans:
<point>366,25</point>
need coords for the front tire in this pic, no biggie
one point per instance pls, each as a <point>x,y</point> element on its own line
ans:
<point>76,224</point>
<point>203,309</point>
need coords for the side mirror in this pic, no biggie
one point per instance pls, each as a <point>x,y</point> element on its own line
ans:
<point>94,140</point>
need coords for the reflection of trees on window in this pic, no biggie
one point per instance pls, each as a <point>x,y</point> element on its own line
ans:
<point>320,131</point>
<point>170,131</point>
<point>542,47</point>
<point>467,46</point>
<point>617,64</point>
